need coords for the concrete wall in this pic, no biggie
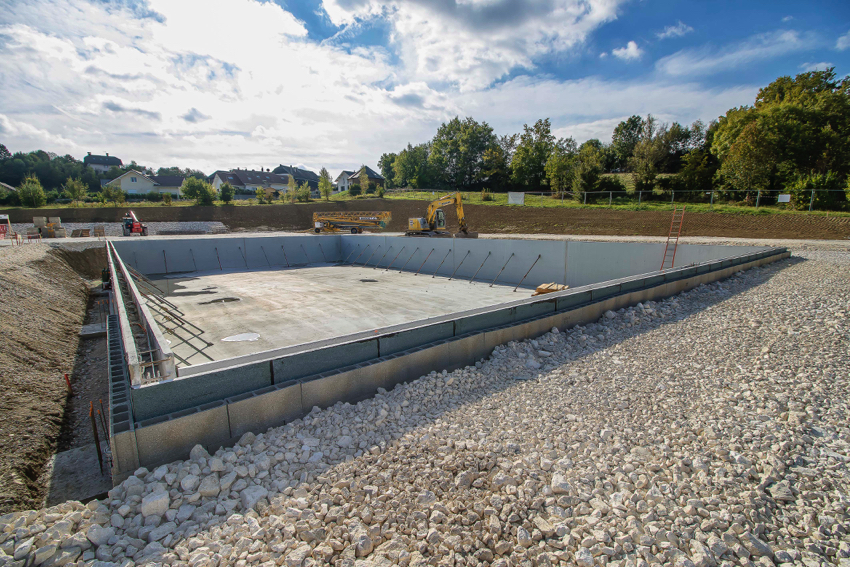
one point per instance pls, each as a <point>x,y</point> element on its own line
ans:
<point>168,437</point>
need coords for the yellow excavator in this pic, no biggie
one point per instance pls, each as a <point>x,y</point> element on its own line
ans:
<point>435,220</point>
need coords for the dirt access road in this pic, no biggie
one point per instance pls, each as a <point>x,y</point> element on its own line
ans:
<point>482,218</point>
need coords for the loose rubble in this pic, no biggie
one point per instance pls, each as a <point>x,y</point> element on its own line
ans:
<point>707,430</point>
<point>116,228</point>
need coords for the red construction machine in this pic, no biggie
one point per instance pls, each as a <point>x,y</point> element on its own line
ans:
<point>131,225</point>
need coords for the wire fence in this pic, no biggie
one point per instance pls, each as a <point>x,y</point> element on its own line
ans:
<point>808,200</point>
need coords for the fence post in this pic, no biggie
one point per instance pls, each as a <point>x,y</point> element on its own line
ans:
<point>640,194</point>
<point>610,197</point>
<point>585,197</point>
<point>711,203</point>
<point>672,196</point>
<point>812,201</point>
<point>758,198</point>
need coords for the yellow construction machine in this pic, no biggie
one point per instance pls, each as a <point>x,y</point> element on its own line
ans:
<point>350,221</point>
<point>435,220</point>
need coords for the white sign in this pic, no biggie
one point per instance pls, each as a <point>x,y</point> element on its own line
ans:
<point>516,198</point>
<point>4,217</point>
<point>784,199</point>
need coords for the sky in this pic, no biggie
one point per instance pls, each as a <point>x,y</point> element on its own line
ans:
<point>220,84</point>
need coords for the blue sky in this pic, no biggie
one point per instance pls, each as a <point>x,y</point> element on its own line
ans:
<point>215,84</point>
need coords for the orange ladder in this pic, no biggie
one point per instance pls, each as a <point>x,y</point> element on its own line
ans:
<point>673,237</point>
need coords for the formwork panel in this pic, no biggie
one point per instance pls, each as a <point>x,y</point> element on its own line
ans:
<point>173,438</point>
<point>266,408</point>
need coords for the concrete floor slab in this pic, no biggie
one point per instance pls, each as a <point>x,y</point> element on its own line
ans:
<point>301,305</point>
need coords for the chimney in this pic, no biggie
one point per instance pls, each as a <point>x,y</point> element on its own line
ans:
<point>107,154</point>
<point>89,153</point>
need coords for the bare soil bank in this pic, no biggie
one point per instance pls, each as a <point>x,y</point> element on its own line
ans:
<point>482,218</point>
<point>42,306</point>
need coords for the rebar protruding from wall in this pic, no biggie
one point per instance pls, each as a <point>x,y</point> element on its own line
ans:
<point>378,263</point>
<point>408,260</point>
<point>165,259</point>
<point>358,256</point>
<point>218,258</point>
<point>528,272</point>
<point>502,270</point>
<point>266,257</point>
<point>352,252</point>
<point>305,254</point>
<point>468,252</point>
<point>285,259</point>
<point>479,267</point>
<point>425,260</point>
<point>394,259</point>
<point>325,258</point>
<point>96,437</point>
<point>244,257</point>
<point>370,257</point>
<point>193,259</point>
<point>441,263</point>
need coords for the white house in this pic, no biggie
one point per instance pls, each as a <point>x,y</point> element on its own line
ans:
<point>343,182</point>
<point>136,183</point>
<point>102,164</point>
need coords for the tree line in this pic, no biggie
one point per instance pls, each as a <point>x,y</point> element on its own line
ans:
<point>794,138</point>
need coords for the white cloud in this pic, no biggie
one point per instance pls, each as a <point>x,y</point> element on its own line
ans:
<point>678,30</point>
<point>843,42</point>
<point>471,43</point>
<point>787,19</point>
<point>706,61</point>
<point>815,66</point>
<point>630,52</point>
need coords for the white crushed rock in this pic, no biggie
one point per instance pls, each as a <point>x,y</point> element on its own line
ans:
<point>708,430</point>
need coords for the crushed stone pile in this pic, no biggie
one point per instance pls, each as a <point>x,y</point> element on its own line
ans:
<point>711,429</point>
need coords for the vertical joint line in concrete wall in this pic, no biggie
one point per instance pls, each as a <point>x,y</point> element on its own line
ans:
<point>408,260</point>
<point>165,259</point>
<point>284,255</point>
<point>468,252</point>
<point>528,272</point>
<point>218,258</point>
<point>396,258</point>
<point>502,270</point>
<point>266,256</point>
<point>193,259</point>
<point>352,253</point>
<point>423,262</point>
<point>364,250</point>
<point>441,263</point>
<point>135,260</point>
<point>271,372</point>
<point>370,257</point>
<point>378,263</point>
<point>479,267</point>
<point>322,250</point>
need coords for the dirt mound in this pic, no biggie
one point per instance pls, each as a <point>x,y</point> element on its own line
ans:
<point>87,262</point>
<point>42,306</point>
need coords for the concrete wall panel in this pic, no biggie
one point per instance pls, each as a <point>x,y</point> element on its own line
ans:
<point>397,342</point>
<point>173,438</point>
<point>321,360</point>
<point>183,393</point>
<point>263,409</point>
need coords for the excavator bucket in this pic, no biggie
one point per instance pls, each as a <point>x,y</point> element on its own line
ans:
<point>466,235</point>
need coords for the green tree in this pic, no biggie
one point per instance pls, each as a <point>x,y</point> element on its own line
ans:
<point>626,136</point>
<point>529,161</point>
<point>291,189</point>
<point>385,164</point>
<point>363,177</point>
<point>412,168</point>
<point>199,190</point>
<point>75,189</point>
<point>496,166</point>
<point>748,164</point>
<point>303,194</point>
<point>561,165</point>
<point>260,193</point>
<point>326,186</point>
<point>648,154</point>
<point>113,193</point>
<point>588,168</point>
<point>226,192</point>
<point>354,189</point>
<point>31,193</point>
<point>4,153</point>
<point>457,152</point>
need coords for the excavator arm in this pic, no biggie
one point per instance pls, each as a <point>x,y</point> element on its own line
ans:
<point>456,200</point>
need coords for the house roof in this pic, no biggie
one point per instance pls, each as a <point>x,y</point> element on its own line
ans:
<point>8,187</point>
<point>298,173</point>
<point>133,172</point>
<point>168,180</point>
<point>345,173</point>
<point>369,171</point>
<point>102,160</point>
<point>243,177</point>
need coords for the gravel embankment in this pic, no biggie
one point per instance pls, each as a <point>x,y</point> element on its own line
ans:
<point>710,429</point>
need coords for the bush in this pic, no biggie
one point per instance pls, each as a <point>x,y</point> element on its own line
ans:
<point>199,190</point>
<point>114,194</point>
<point>75,189</point>
<point>31,193</point>
<point>828,192</point>
<point>166,199</point>
<point>381,191</point>
<point>354,190</point>
<point>261,195</point>
<point>154,196</point>
<point>226,192</point>
<point>370,189</point>
<point>610,183</point>
<point>303,193</point>
<point>52,196</point>
<point>486,195</point>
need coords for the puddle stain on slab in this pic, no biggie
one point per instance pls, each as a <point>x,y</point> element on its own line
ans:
<point>242,337</point>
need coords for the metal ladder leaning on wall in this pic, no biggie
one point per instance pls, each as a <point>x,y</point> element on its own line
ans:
<point>673,238</point>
